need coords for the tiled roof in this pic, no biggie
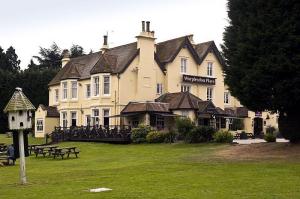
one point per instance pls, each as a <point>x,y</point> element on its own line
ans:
<point>117,59</point>
<point>134,107</point>
<point>18,102</point>
<point>51,110</point>
<point>180,100</point>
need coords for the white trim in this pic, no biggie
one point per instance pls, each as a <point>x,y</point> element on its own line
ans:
<point>181,71</point>
<point>54,100</point>
<point>109,113</point>
<point>75,98</point>
<point>106,75</point>
<point>62,90</point>
<point>61,118</point>
<point>228,93</point>
<point>74,111</point>
<point>92,86</point>
<point>212,93</point>
<point>43,125</point>
<point>85,91</point>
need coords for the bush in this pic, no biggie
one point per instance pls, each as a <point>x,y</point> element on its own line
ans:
<point>223,137</point>
<point>170,136</point>
<point>269,137</point>
<point>138,135</point>
<point>200,134</point>
<point>156,137</point>
<point>270,130</point>
<point>243,135</point>
<point>184,126</point>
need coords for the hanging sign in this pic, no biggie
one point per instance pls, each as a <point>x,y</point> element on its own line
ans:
<point>199,79</point>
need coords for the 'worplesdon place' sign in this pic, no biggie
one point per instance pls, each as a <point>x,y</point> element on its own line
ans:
<point>198,79</point>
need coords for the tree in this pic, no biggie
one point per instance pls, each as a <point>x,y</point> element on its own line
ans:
<point>49,57</point>
<point>9,60</point>
<point>76,51</point>
<point>262,55</point>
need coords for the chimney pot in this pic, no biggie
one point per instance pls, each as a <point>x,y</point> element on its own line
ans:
<point>105,40</point>
<point>148,26</point>
<point>143,26</point>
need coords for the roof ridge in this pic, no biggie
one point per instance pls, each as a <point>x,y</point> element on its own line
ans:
<point>211,41</point>
<point>175,38</point>
<point>120,46</point>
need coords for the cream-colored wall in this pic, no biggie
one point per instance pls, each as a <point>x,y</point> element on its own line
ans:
<point>272,121</point>
<point>174,76</point>
<point>48,122</point>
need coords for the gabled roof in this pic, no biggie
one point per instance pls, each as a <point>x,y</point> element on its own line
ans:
<point>168,50</point>
<point>180,100</point>
<point>51,111</point>
<point>18,102</point>
<point>240,112</point>
<point>203,49</point>
<point>142,107</point>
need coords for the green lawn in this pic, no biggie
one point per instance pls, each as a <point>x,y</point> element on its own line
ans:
<point>151,171</point>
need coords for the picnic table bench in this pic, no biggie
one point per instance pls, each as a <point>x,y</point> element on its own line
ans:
<point>66,150</point>
<point>246,136</point>
<point>31,148</point>
<point>3,156</point>
<point>43,150</point>
<point>3,148</point>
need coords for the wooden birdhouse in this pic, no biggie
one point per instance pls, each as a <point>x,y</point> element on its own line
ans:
<point>19,110</point>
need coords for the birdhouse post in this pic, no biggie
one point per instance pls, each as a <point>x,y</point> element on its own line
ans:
<point>19,119</point>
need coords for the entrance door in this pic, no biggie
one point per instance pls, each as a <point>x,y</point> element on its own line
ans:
<point>106,117</point>
<point>258,126</point>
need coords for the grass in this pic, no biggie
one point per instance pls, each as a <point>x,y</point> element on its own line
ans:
<point>151,171</point>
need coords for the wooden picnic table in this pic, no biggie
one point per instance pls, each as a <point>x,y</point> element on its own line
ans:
<point>3,148</point>
<point>44,150</point>
<point>65,150</point>
<point>32,147</point>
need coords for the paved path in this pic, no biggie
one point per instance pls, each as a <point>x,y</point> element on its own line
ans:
<point>257,140</point>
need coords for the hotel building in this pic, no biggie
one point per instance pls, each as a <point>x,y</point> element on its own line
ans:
<point>145,82</point>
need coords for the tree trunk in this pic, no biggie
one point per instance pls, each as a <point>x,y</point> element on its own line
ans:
<point>289,126</point>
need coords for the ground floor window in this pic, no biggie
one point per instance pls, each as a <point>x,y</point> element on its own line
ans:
<point>88,120</point>
<point>106,117</point>
<point>185,88</point>
<point>64,119</point>
<point>135,122</point>
<point>220,123</point>
<point>39,125</point>
<point>95,116</point>
<point>157,121</point>
<point>73,118</point>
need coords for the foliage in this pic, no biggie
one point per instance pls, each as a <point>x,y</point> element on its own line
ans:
<point>184,126</point>
<point>9,61</point>
<point>49,58</point>
<point>170,136</point>
<point>223,137</point>
<point>155,137</point>
<point>139,134</point>
<point>243,135</point>
<point>200,134</point>
<point>76,51</point>
<point>270,137</point>
<point>261,50</point>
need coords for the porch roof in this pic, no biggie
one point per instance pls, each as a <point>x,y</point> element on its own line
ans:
<point>144,107</point>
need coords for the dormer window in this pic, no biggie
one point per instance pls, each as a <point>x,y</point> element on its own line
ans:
<point>183,66</point>
<point>210,69</point>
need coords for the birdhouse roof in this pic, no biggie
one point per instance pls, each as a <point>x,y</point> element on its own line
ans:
<point>19,102</point>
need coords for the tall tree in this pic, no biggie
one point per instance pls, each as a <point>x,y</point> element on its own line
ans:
<point>50,57</point>
<point>76,51</point>
<point>9,60</point>
<point>261,48</point>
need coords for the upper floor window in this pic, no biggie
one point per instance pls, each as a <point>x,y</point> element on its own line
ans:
<point>96,86</point>
<point>106,84</point>
<point>65,90</point>
<point>159,89</point>
<point>185,88</point>
<point>183,65</point>
<point>209,93</point>
<point>226,97</point>
<point>88,91</point>
<point>209,69</point>
<point>56,95</point>
<point>39,125</point>
<point>74,89</point>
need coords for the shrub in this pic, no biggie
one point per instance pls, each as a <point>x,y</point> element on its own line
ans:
<point>156,137</point>
<point>200,134</point>
<point>138,135</point>
<point>269,137</point>
<point>170,136</point>
<point>270,130</point>
<point>184,126</point>
<point>223,137</point>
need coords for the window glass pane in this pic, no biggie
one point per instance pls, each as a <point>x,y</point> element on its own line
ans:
<point>88,90</point>
<point>74,89</point>
<point>106,82</point>
<point>96,86</point>
<point>65,90</point>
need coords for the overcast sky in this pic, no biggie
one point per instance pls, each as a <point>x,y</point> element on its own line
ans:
<point>26,25</point>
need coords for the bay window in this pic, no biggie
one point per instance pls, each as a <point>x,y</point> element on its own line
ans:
<point>106,84</point>
<point>65,90</point>
<point>96,86</point>
<point>74,89</point>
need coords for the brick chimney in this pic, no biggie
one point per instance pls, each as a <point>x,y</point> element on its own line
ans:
<point>66,57</point>
<point>105,44</point>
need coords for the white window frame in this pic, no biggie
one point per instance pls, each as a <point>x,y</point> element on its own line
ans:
<point>103,110</point>
<point>64,91</point>
<point>62,118</point>
<point>93,121</point>
<point>88,94</point>
<point>185,88</point>
<point>71,117</point>
<point>109,85</point>
<point>226,97</point>
<point>95,90</point>
<point>209,93</point>
<point>159,88</point>
<point>86,119</point>
<point>183,65</point>
<point>73,97</point>
<point>37,125</point>
<point>210,69</point>
<point>56,95</point>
